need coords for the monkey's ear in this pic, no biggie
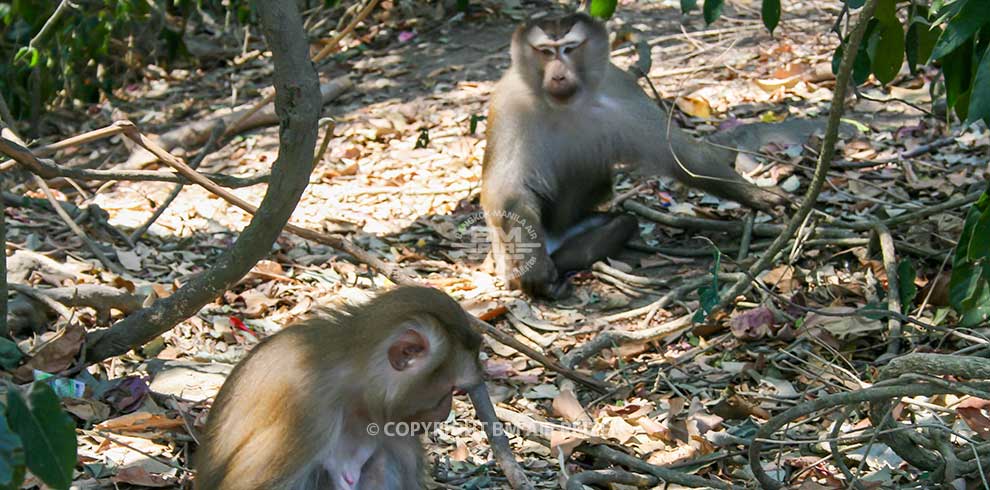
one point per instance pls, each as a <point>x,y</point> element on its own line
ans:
<point>409,348</point>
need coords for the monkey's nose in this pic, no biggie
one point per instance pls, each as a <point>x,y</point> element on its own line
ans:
<point>559,78</point>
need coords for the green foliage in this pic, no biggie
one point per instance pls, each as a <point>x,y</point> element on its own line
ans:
<point>969,286</point>
<point>907,291</point>
<point>712,10</point>
<point>979,104</point>
<point>48,434</point>
<point>956,36</point>
<point>962,49</point>
<point>885,46</point>
<point>12,466</point>
<point>920,39</point>
<point>10,354</point>
<point>708,295</point>
<point>770,12</point>
<point>965,18</point>
<point>91,47</point>
<point>475,118</point>
<point>602,9</point>
<point>953,33</point>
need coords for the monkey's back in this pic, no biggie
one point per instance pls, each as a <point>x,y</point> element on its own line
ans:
<point>265,422</point>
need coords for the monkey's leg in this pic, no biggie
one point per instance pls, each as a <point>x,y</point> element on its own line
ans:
<point>598,236</point>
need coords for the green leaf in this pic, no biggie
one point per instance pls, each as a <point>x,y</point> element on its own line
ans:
<point>474,122</point>
<point>712,10</point>
<point>979,245</point>
<point>966,276</point>
<point>957,68</point>
<point>886,49</point>
<point>979,104</point>
<point>963,284</point>
<point>937,6</point>
<point>708,295</point>
<point>10,354</point>
<point>48,434</point>
<point>688,5</point>
<point>979,311</point>
<point>862,128</point>
<point>855,4</point>
<point>11,456</point>
<point>919,43</point>
<point>971,16</point>
<point>771,14</point>
<point>31,55</point>
<point>907,291</point>
<point>940,315</point>
<point>861,65</point>
<point>886,10</point>
<point>837,57</point>
<point>602,9</point>
<point>424,139</point>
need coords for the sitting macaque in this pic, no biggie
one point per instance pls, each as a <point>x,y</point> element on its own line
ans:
<point>295,413</point>
<point>562,120</point>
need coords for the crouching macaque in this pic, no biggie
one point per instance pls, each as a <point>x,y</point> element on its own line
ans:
<point>562,120</point>
<point>307,409</point>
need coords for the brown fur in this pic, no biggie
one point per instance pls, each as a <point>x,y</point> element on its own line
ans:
<point>301,400</point>
<point>550,160</point>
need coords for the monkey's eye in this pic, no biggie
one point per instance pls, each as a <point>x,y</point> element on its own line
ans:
<point>547,52</point>
<point>568,49</point>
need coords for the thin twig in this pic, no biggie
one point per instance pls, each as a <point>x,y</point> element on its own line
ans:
<point>893,287</point>
<point>164,461</point>
<point>824,159</point>
<point>747,236</point>
<point>334,43</point>
<point>62,213</point>
<point>48,169</point>
<point>34,294</point>
<point>49,24</point>
<point>605,478</point>
<point>177,188</point>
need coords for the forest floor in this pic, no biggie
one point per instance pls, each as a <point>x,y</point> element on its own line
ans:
<point>401,178</point>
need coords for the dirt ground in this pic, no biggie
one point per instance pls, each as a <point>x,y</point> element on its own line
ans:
<point>414,204</point>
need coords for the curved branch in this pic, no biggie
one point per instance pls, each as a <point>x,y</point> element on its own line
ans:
<point>48,169</point>
<point>824,158</point>
<point>607,477</point>
<point>297,103</point>
<point>827,401</point>
<point>959,367</point>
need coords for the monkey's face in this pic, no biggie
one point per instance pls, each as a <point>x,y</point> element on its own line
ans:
<point>561,57</point>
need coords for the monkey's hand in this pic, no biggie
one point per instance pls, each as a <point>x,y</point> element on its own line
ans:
<point>539,277</point>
